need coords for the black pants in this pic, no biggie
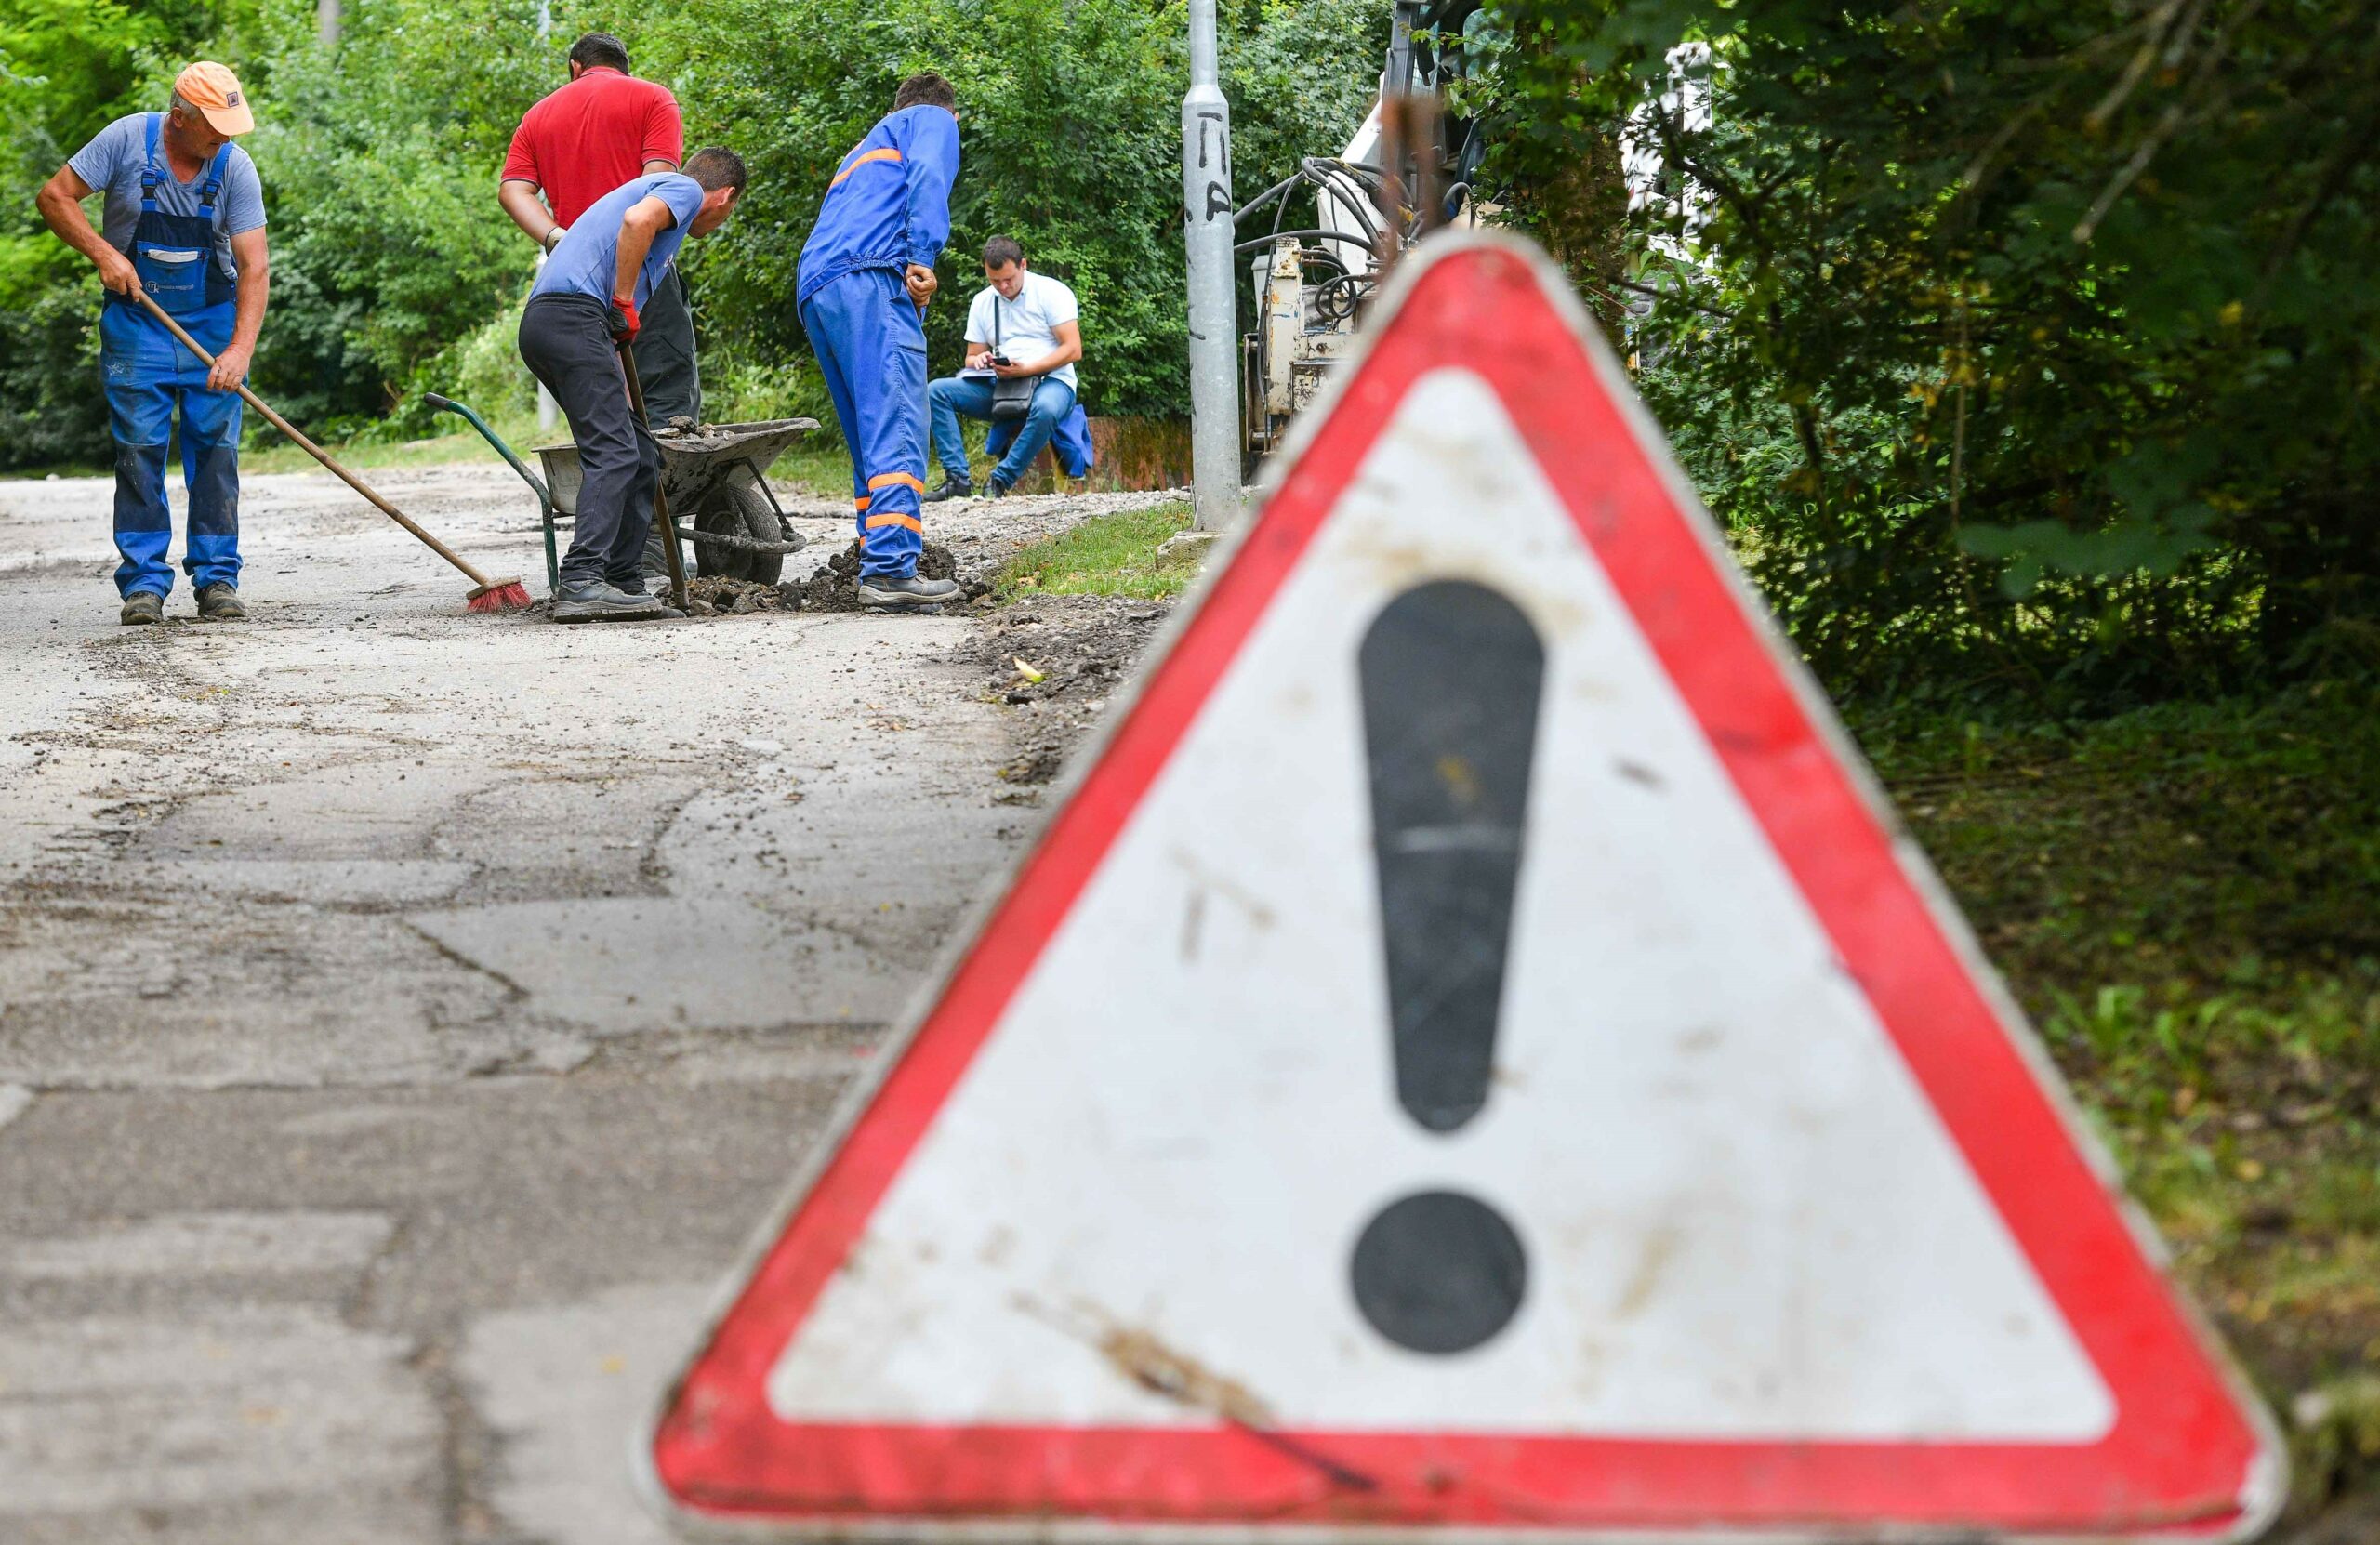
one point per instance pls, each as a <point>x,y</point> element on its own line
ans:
<point>665,352</point>
<point>567,345</point>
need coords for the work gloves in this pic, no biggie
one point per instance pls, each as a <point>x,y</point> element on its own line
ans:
<point>622,321</point>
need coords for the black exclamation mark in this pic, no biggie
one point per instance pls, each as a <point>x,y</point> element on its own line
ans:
<point>1451,672</point>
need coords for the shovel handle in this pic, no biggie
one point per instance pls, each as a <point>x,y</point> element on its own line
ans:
<point>660,499</point>
<point>286,427</point>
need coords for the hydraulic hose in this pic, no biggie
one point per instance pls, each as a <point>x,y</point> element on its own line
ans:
<point>1339,236</point>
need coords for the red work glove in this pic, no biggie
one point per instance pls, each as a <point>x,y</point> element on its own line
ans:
<point>622,317</point>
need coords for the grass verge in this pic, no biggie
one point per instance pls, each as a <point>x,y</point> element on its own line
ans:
<point>1108,555</point>
<point>2183,899</point>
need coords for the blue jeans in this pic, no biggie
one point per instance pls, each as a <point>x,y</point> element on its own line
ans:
<point>949,397</point>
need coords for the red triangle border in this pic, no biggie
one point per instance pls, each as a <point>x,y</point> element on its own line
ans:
<point>2188,1458</point>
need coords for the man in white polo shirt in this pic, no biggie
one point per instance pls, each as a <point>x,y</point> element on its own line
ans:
<point>1021,326</point>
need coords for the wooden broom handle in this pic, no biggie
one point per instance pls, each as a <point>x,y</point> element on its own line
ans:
<point>286,427</point>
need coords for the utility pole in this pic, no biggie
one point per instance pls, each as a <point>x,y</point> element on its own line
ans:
<point>1214,323</point>
<point>326,19</point>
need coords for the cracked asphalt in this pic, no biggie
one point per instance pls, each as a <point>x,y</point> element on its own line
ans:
<point>406,1016</point>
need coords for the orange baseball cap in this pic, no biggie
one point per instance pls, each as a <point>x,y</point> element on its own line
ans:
<point>215,91</point>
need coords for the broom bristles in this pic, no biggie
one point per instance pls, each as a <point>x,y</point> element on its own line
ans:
<point>511,596</point>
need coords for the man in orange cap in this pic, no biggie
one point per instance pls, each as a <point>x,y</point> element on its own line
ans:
<point>183,224</point>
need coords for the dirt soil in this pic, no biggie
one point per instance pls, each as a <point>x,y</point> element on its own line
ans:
<point>1084,649</point>
<point>835,586</point>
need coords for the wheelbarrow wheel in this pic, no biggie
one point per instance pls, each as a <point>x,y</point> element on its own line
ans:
<point>739,509</point>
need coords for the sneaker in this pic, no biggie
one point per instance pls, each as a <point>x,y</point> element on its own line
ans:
<point>143,608</point>
<point>949,488</point>
<point>907,593</point>
<point>592,601</point>
<point>995,489</point>
<point>220,603</point>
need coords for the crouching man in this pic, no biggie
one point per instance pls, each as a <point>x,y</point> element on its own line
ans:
<point>581,313</point>
<point>1022,327</point>
<point>183,225</point>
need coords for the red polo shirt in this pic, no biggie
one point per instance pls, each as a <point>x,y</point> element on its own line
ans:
<point>593,135</point>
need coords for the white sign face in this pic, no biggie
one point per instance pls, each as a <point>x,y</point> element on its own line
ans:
<point>1762,1229</point>
<point>1470,1055</point>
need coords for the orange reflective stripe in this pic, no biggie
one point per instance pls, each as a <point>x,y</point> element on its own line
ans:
<point>874,521</point>
<point>887,480</point>
<point>861,502</point>
<point>887,153</point>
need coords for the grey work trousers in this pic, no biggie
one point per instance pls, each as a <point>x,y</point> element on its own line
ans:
<point>665,352</point>
<point>567,344</point>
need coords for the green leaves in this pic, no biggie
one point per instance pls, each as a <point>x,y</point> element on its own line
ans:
<point>2045,314</point>
<point>2124,547</point>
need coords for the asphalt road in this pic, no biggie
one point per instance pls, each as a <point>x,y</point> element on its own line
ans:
<point>407,1016</point>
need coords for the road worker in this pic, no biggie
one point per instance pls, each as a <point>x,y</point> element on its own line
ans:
<point>582,311</point>
<point>182,223</point>
<point>574,146</point>
<point>866,274</point>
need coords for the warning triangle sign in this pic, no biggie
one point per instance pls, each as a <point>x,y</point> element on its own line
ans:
<point>1472,1053</point>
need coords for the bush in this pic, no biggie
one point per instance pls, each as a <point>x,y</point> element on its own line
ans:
<point>484,370</point>
<point>51,409</point>
<point>2025,344</point>
<point>738,389</point>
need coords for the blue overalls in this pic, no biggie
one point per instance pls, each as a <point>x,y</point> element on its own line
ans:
<point>888,206</point>
<point>147,371</point>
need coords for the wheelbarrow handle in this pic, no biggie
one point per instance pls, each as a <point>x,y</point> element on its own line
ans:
<point>447,404</point>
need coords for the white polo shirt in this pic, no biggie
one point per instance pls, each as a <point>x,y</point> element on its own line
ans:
<point>1027,325</point>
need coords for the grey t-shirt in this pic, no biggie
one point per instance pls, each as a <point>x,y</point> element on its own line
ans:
<point>111,163</point>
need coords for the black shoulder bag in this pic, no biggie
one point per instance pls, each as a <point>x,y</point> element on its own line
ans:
<point>1012,395</point>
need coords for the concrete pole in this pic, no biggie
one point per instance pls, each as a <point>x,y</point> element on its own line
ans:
<point>1214,326</point>
<point>326,21</point>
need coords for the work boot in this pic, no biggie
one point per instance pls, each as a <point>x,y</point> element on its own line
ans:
<point>659,598</point>
<point>220,602</point>
<point>949,488</point>
<point>907,593</point>
<point>143,608</point>
<point>592,601</point>
<point>650,582</point>
<point>995,489</point>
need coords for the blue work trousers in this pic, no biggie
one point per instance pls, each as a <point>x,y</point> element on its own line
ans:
<point>148,375</point>
<point>951,397</point>
<point>872,351</point>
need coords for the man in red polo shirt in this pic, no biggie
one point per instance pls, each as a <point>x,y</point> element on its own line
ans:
<point>603,130</point>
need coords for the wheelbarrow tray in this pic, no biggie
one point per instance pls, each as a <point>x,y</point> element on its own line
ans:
<point>693,466</point>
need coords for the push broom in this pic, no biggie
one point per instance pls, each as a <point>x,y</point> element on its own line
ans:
<point>490,595</point>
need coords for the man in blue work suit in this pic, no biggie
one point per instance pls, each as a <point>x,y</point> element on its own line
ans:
<point>582,313</point>
<point>867,273</point>
<point>183,224</point>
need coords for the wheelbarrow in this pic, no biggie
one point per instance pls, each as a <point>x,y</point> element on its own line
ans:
<point>716,474</point>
